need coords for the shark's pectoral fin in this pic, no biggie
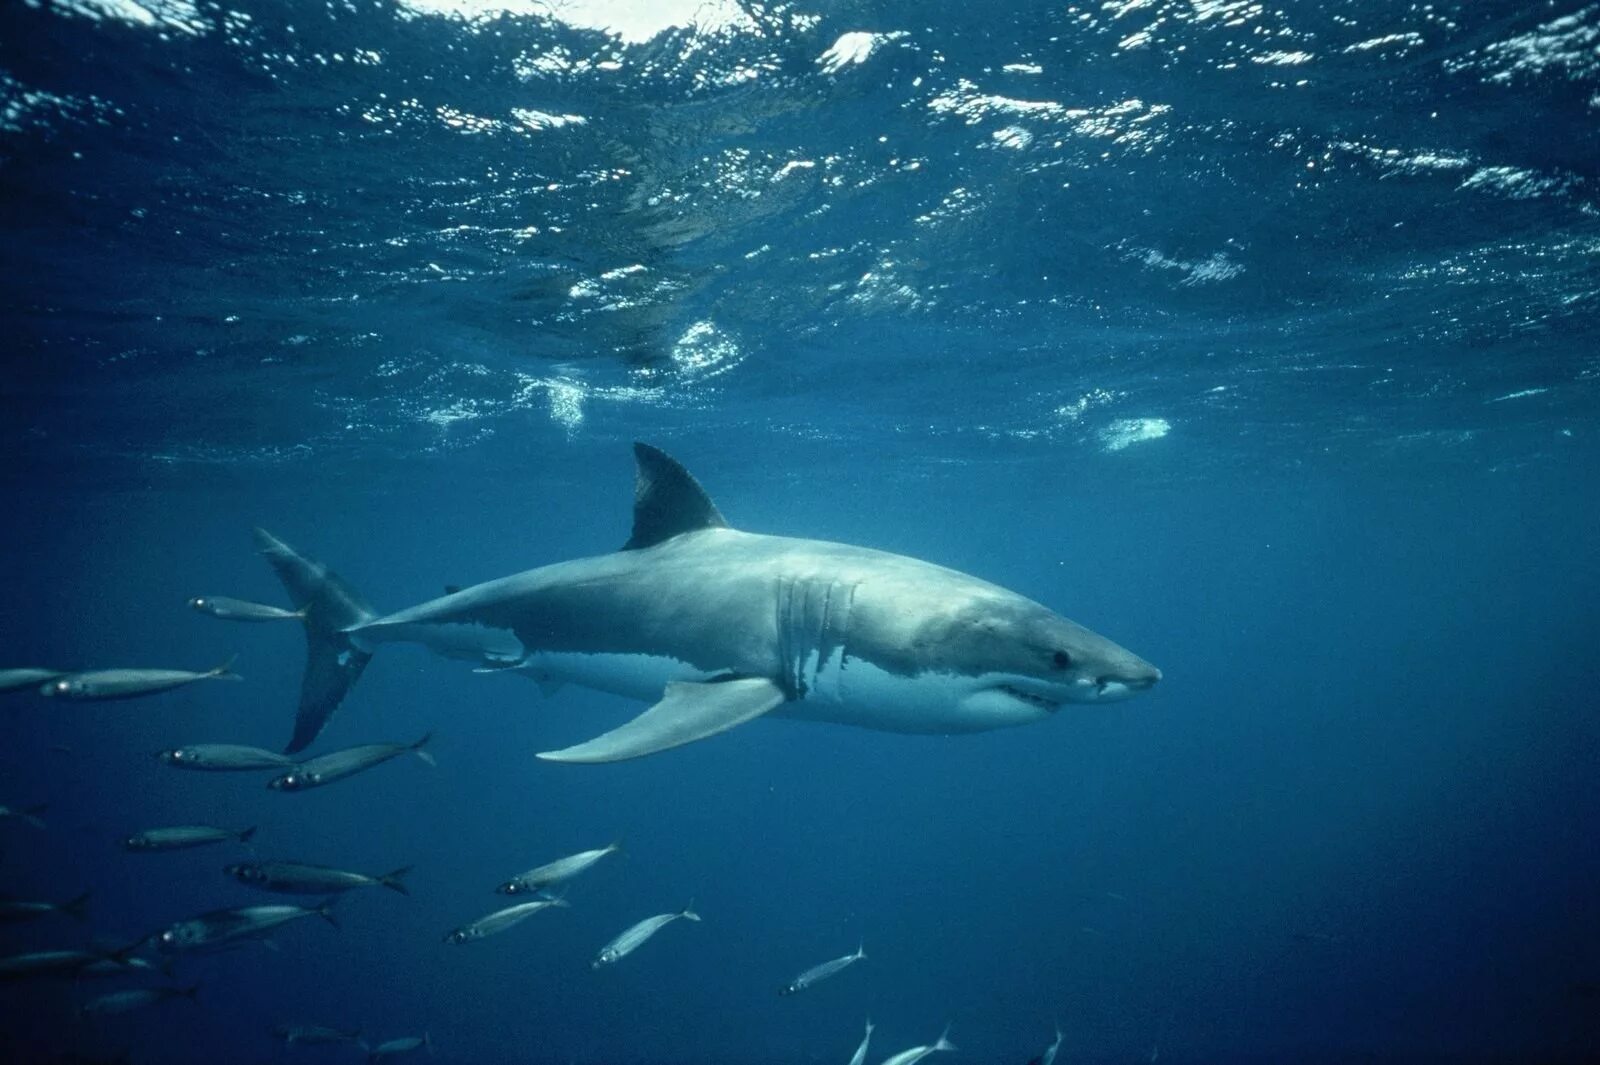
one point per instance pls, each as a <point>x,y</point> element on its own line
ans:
<point>686,712</point>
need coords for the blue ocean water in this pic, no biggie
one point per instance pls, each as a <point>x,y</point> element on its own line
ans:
<point>1259,338</point>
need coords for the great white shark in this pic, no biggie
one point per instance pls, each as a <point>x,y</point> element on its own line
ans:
<point>715,627</point>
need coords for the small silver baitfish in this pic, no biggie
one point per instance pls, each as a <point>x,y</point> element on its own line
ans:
<point>220,606</point>
<point>220,928</point>
<point>328,768</point>
<point>130,683</point>
<point>135,998</point>
<point>632,939</point>
<point>860,1056</point>
<point>16,680</point>
<point>555,872</point>
<point>26,814</point>
<point>500,920</point>
<point>298,878</point>
<point>315,1034</point>
<point>50,963</point>
<point>118,965</point>
<point>916,1054</point>
<point>1050,1052</point>
<point>12,910</point>
<point>182,837</point>
<point>817,973</point>
<point>398,1046</point>
<point>224,757</point>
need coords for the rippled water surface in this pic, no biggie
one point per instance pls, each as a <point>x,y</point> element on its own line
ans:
<point>1262,338</point>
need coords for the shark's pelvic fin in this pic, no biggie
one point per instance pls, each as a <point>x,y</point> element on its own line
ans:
<point>688,711</point>
<point>333,662</point>
<point>667,500</point>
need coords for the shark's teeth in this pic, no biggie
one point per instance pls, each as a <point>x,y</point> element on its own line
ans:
<point>1028,697</point>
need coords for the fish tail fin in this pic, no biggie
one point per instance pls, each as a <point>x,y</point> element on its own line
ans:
<point>192,993</point>
<point>861,949</point>
<point>395,881</point>
<point>77,909</point>
<point>426,756</point>
<point>869,1025</point>
<point>247,834</point>
<point>329,608</point>
<point>688,911</point>
<point>121,955</point>
<point>30,814</point>
<point>325,911</point>
<point>944,1041</point>
<point>225,670</point>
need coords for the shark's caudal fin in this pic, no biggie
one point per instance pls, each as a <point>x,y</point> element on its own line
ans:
<point>333,662</point>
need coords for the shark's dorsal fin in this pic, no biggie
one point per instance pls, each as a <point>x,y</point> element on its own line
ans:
<point>667,500</point>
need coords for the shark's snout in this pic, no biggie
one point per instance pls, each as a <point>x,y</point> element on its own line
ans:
<point>1126,681</point>
<point>1139,681</point>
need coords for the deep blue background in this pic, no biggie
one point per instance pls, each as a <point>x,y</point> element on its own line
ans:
<point>1356,820</point>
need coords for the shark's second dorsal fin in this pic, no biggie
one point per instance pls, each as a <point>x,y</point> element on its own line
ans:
<point>667,500</point>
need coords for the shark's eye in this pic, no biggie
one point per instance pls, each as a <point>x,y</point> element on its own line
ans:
<point>1061,660</point>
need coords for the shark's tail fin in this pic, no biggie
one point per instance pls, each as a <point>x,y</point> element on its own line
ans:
<point>330,608</point>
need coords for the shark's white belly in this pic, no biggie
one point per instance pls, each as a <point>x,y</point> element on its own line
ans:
<point>860,693</point>
<point>633,676</point>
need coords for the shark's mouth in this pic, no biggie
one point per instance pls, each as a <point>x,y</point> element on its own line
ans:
<point>1049,705</point>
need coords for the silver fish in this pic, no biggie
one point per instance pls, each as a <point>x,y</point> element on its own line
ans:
<point>632,939</point>
<point>500,920</point>
<point>117,965</point>
<point>328,768</point>
<point>860,1056</point>
<point>1050,1052</point>
<point>224,757</point>
<point>51,963</point>
<point>817,973</point>
<point>916,1054</point>
<point>17,910</point>
<point>221,928</point>
<point>315,1034</point>
<point>27,814</point>
<point>129,683</point>
<point>398,1046</point>
<point>297,878</point>
<point>15,680</point>
<point>220,606</point>
<point>182,837</point>
<point>555,872</point>
<point>135,998</point>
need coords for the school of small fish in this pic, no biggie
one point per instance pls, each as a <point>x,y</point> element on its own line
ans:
<point>153,956</point>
